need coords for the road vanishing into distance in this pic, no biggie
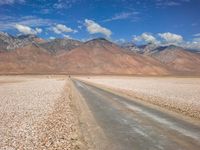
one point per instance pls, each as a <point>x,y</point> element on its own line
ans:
<point>130,125</point>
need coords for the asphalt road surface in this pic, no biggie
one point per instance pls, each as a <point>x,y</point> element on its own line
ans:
<point>130,125</point>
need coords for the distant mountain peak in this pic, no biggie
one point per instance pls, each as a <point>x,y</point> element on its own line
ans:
<point>57,45</point>
<point>130,46</point>
<point>4,34</point>
<point>99,42</point>
<point>173,47</point>
<point>30,36</point>
<point>9,42</point>
<point>99,39</point>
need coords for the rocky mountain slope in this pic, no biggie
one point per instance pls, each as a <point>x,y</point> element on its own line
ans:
<point>130,47</point>
<point>97,56</point>
<point>100,56</point>
<point>29,59</point>
<point>142,49</point>
<point>178,59</point>
<point>30,54</point>
<point>9,42</point>
<point>59,45</point>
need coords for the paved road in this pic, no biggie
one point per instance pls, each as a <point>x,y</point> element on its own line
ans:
<point>129,125</point>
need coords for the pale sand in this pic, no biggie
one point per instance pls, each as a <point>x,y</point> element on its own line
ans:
<point>35,113</point>
<point>178,94</point>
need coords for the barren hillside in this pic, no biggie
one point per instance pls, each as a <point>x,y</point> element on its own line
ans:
<point>100,56</point>
<point>97,56</point>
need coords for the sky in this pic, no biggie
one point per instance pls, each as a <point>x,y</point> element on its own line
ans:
<point>140,21</point>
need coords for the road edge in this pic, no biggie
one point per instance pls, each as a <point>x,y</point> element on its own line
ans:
<point>92,134</point>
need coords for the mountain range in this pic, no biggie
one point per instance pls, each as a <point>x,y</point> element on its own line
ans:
<point>29,54</point>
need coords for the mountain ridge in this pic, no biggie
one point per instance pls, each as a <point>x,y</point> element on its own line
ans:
<point>96,56</point>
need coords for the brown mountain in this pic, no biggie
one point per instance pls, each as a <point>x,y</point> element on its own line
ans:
<point>60,45</point>
<point>100,56</point>
<point>29,59</point>
<point>32,55</point>
<point>10,43</point>
<point>179,59</point>
<point>97,56</point>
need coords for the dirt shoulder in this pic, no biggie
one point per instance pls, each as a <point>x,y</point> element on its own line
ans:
<point>38,114</point>
<point>61,129</point>
<point>92,134</point>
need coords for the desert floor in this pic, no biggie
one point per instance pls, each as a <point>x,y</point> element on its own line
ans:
<point>35,113</point>
<point>180,94</point>
<point>58,112</point>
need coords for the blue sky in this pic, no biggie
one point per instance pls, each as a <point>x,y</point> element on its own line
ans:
<point>119,20</point>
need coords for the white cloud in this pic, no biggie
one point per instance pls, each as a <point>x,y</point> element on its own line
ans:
<point>75,31</point>
<point>60,29</point>
<point>197,34</point>
<point>196,39</point>
<point>120,41</point>
<point>65,4</point>
<point>58,6</point>
<point>170,3</point>
<point>93,27</point>
<point>51,38</point>
<point>10,2</point>
<point>171,38</point>
<point>80,27</point>
<point>146,37</point>
<point>192,45</point>
<point>123,15</point>
<point>8,22</point>
<point>38,30</point>
<point>86,39</point>
<point>27,30</point>
<point>67,36</point>
<point>194,24</point>
<point>45,11</point>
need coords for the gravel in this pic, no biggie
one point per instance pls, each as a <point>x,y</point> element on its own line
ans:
<point>36,113</point>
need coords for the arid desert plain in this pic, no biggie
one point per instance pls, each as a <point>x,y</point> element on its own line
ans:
<point>99,112</point>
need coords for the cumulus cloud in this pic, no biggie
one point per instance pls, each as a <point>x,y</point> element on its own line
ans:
<point>10,2</point>
<point>27,30</point>
<point>145,37</point>
<point>60,29</point>
<point>93,28</point>
<point>163,39</point>
<point>171,38</point>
